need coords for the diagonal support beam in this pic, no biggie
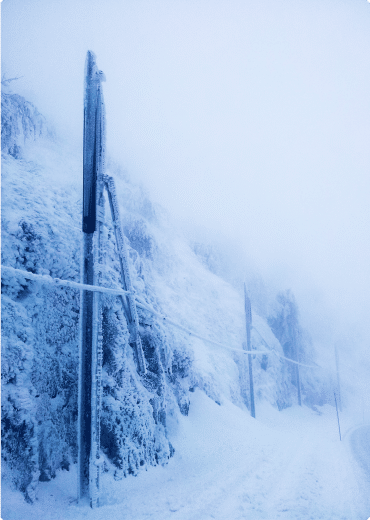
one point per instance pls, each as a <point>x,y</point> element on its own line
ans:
<point>128,301</point>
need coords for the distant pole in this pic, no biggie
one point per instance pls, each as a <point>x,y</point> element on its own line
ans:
<point>336,407</point>
<point>90,322</point>
<point>298,385</point>
<point>248,322</point>
<point>297,367</point>
<point>338,379</point>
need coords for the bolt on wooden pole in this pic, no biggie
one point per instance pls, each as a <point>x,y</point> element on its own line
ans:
<point>248,322</point>
<point>90,319</point>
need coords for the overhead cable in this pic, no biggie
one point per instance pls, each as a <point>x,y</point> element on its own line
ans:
<point>43,278</point>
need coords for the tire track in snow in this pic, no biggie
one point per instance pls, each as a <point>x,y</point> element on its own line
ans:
<point>318,482</point>
<point>307,476</point>
<point>232,491</point>
<point>238,490</point>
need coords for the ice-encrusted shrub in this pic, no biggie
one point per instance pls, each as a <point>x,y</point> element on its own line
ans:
<point>284,322</point>
<point>181,365</point>
<point>140,238</point>
<point>50,378</point>
<point>20,120</point>
<point>18,423</point>
<point>53,314</point>
<point>133,419</point>
<point>55,377</point>
<point>297,345</point>
<point>29,246</point>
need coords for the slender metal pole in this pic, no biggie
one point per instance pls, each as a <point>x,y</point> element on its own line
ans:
<point>336,407</point>
<point>248,322</point>
<point>90,355</point>
<point>338,378</point>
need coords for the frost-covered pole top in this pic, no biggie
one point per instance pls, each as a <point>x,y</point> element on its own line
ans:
<point>93,144</point>
<point>93,76</point>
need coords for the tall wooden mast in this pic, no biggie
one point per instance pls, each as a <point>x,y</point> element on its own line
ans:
<point>90,322</point>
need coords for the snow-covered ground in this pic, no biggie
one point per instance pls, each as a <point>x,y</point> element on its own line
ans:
<point>287,465</point>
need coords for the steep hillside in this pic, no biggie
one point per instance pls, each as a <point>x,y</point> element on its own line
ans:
<point>41,233</point>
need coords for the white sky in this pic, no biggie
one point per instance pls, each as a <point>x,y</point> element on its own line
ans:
<point>247,116</point>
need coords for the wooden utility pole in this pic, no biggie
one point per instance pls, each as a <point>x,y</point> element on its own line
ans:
<point>90,319</point>
<point>295,335</point>
<point>248,322</point>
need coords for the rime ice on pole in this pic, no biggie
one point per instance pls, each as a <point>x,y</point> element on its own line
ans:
<point>90,319</point>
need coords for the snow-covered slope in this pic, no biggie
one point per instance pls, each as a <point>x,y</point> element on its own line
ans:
<point>41,233</point>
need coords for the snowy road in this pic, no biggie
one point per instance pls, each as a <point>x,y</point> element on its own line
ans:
<point>360,443</point>
<point>284,465</point>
